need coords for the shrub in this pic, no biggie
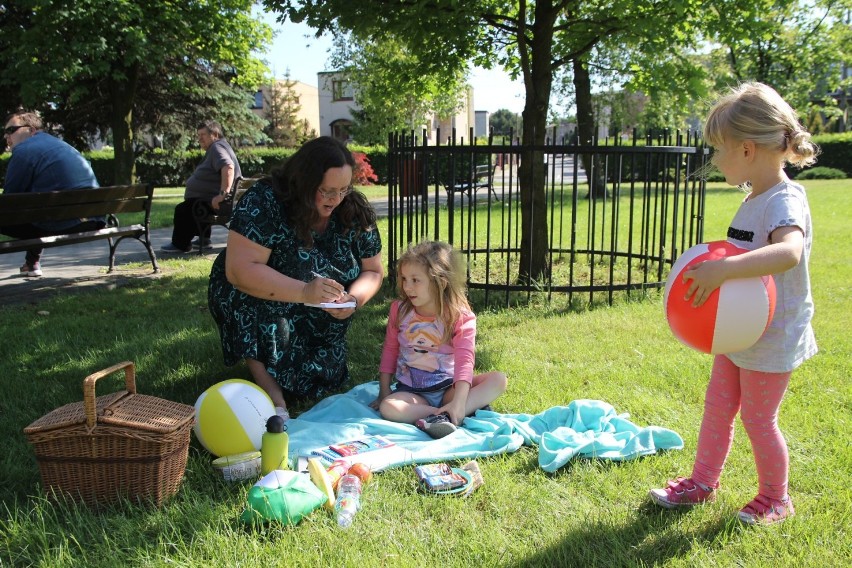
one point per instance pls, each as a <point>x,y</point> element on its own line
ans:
<point>101,161</point>
<point>363,174</point>
<point>165,168</point>
<point>378,158</point>
<point>836,151</point>
<point>821,172</point>
<point>259,161</point>
<point>715,176</point>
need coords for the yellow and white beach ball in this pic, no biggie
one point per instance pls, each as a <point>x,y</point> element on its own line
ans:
<point>231,417</point>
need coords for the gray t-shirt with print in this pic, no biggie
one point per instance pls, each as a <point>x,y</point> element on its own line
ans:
<point>789,339</point>
<point>206,180</point>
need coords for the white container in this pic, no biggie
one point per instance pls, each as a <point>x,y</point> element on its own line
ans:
<point>238,467</point>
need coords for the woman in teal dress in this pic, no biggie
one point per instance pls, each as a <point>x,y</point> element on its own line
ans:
<point>301,236</point>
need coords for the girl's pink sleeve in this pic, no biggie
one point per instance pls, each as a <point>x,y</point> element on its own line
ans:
<point>390,350</point>
<point>464,347</point>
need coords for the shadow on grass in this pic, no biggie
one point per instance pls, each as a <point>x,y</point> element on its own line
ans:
<point>558,303</point>
<point>649,537</point>
<point>59,530</point>
<point>162,325</point>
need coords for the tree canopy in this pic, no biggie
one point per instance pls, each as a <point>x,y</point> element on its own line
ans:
<point>392,89</point>
<point>98,63</point>
<point>284,127</point>
<point>534,40</point>
<point>795,46</point>
<point>503,122</point>
<point>654,48</point>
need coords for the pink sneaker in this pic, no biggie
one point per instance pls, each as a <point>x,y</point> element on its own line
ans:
<point>682,492</point>
<point>767,511</point>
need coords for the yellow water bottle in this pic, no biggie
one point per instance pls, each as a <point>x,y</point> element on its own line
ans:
<point>273,445</point>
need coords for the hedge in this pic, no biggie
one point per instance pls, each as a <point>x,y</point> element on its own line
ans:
<point>821,172</point>
<point>170,169</point>
<point>378,157</point>
<point>163,168</point>
<point>836,151</point>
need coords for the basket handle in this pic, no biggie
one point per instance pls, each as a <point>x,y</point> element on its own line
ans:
<point>89,388</point>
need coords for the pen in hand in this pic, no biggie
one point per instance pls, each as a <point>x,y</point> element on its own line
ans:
<point>318,275</point>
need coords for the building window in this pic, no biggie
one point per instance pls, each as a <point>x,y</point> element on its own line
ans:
<point>341,90</point>
<point>258,100</point>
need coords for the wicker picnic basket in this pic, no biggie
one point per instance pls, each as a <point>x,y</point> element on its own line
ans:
<point>122,445</point>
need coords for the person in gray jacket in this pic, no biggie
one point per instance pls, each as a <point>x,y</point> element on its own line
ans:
<point>210,183</point>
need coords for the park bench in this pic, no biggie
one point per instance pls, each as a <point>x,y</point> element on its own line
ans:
<point>24,208</point>
<point>466,180</point>
<point>205,216</point>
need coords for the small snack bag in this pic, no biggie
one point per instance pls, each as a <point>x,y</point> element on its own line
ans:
<point>439,477</point>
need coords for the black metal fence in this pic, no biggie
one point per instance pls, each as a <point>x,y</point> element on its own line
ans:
<point>618,213</point>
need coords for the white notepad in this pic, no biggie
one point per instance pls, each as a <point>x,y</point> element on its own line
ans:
<point>332,305</point>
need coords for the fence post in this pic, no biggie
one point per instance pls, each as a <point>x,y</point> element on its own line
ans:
<point>635,230</point>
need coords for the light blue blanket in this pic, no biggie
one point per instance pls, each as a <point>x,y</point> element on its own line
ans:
<point>585,428</point>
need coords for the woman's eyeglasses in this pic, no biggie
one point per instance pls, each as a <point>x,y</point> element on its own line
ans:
<point>335,194</point>
<point>9,130</point>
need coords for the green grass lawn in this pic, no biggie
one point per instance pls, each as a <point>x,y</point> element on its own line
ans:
<point>589,513</point>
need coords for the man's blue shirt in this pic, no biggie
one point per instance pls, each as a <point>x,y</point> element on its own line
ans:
<point>45,163</point>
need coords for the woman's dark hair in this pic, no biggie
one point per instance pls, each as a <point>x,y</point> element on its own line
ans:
<point>295,183</point>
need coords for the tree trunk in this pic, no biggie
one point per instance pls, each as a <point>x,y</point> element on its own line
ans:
<point>538,80</point>
<point>586,127</point>
<point>122,95</point>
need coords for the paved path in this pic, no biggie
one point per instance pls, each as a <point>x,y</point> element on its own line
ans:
<point>84,265</point>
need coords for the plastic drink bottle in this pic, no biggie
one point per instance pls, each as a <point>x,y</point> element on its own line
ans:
<point>336,471</point>
<point>273,445</point>
<point>348,500</point>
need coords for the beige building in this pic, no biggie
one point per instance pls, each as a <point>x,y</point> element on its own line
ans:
<point>337,101</point>
<point>308,97</point>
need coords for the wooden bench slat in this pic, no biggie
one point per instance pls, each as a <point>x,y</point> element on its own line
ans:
<point>79,211</point>
<point>50,241</point>
<point>74,196</point>
<point>22,208</point>
<point>28,208</point>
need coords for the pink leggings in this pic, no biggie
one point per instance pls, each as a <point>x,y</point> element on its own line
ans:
<point>757,396</point>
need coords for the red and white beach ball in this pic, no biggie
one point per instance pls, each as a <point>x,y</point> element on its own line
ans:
<point>734,316</point>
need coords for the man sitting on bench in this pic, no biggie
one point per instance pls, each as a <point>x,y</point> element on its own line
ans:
<point>210,182</point>
<point>39,163</point>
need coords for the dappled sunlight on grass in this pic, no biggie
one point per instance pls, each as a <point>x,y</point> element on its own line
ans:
<point>589,512</point>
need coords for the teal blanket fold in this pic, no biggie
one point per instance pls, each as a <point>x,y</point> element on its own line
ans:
<point>584,428</point>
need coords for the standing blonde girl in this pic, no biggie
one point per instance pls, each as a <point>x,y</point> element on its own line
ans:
<point>754,132</point>
<point>429,346</point>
